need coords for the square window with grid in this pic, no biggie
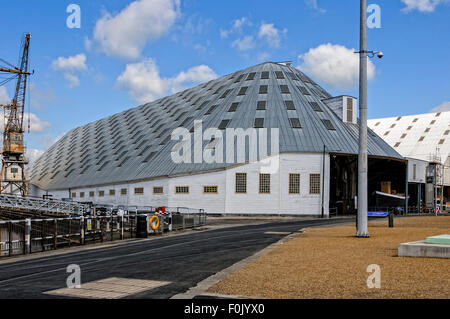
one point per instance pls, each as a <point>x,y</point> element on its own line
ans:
<point>294,183</point>
<point>74,195</point>
<point>123,191</point>
<point>158,190</point>
<point>314,183</point>
<point>241,183</point>
<point>295,123</point>
<point>112,192</point>
<point>139,191</point>
<point>261,105</point>
<point>263,89</point>
<point>182,190</point>
<point>210,189</point>
<point>91,194</point>
<point>243,90</point>
<point>259,123</point>
<point>284,89</point>
<point>265,75</point>
<point>290,105</point>
<point>101,193</point>
<point>264,183</point>
<point>233,107</point>
<point>82,195</point>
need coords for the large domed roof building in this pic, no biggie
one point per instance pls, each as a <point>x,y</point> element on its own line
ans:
<point>299,155</point>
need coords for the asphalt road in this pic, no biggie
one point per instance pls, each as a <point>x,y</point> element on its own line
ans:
<point>181,260</point>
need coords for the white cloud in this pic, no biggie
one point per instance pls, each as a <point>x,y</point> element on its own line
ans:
<point>72,63</point>
<point>314,5</point>
<point>271,34</point>
<point>237,27</point>
<point>144,84</point>
<point>444,107</point>
<point>422,5</point>
<point>4,97</point>
<point>36,124</point>
<point>69,66</point>
<point>142,21</point>
<point>33,154</point>
<point>334,65</point>
<point>194,75</point>
<point>244,44</point>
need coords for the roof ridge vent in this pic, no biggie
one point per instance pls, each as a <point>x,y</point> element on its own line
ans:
<point>286,63</point>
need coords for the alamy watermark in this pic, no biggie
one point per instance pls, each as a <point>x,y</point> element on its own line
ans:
<point>374,18</point>
<point>74,279</point>
<point>74,19</point>
<point>190,147</point>
<point>374,280</point>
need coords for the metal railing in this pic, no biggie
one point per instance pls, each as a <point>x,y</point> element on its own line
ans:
<point>43,205</point>
<point>19,237</point>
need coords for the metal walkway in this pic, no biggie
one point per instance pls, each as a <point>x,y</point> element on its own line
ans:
<point>42,205</point>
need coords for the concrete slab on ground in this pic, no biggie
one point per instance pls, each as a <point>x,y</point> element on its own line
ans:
<point>423,249</point>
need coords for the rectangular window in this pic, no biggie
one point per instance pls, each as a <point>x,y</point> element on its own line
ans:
<point>264,183</point>
<point>251,76</point>
<point>112,192</point>
<point>304,90</point>
<point>294,183</point>
<point>123,191</point>
<point>284,89</point>
<point>182,190</point>
<point>243,90</point>
<point>280,75</point>
<point>421,138</point>
<point>91,194</point>
<point>82,195</point>
<point>414,171</point>
<point>295,123</point>
<point>328,125</point>
<point>314,183</point>
<point>397,144</point>
<point>259,123</point>
<point>315,106</point>
<point>101,193</point>
<point>263,89</point>
<point>223,125</point>
<point>290,105</point>
<point>211,109</point>
<point>210,189</point>
<point>241,183</point>
<point>441,142</point>
<point>74,195</point>
<point>261,106</point>
<point>233,107</point>
<point>139,191</point>
<point>265,75</point>
<point>158,190</point>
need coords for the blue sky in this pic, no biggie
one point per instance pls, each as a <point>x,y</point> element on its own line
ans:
<point>127,52</point>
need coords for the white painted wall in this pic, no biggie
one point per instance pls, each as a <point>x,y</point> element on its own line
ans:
<point>421,170</point>
<point>279,201</point>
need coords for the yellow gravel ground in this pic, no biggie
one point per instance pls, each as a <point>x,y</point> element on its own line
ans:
<point>331,263</point>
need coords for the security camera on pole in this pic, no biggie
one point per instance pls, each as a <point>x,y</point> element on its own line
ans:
<point>362,204</point>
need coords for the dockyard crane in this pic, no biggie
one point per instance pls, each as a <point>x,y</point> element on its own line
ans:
<point>13,179</point>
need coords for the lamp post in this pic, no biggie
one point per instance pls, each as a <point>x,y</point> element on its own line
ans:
<point>361,221</point>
